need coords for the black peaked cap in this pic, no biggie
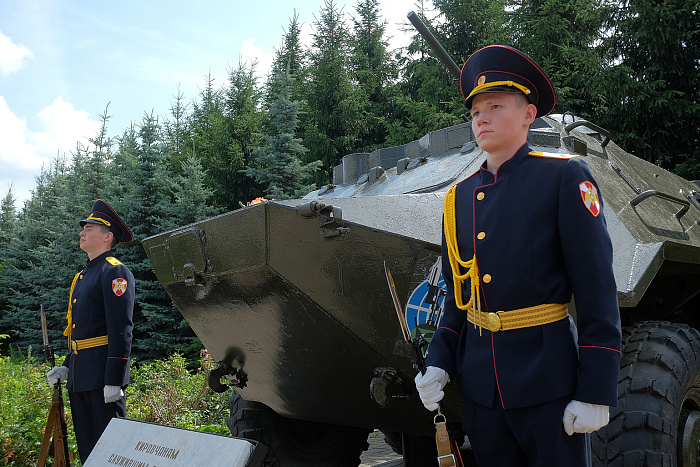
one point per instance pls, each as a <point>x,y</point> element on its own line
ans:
<point>102,213</point>
<point>499,68</point>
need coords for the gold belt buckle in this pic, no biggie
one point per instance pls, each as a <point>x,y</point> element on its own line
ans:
<point>74,346</point>
<point>493,322</point>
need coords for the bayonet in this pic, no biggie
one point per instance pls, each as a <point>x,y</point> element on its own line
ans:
<point>416,344</point>
<point>447,448</point>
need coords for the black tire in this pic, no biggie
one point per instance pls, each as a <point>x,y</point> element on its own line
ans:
<point>657,420</point>
<point>394,441</point>
<point>296,443</point>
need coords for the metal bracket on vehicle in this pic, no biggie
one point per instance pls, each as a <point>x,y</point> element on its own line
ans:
<point>188,255</point>
<point>329,218</point>
<point>386,386</point>
<point>234,376</point>
<point>649,193</point>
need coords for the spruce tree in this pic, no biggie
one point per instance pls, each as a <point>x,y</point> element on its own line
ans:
<point>561,37</point>
<point>429,97</point>
<point>191,193</point>
<point>290,58</point>
<point>42,259</point>
<point>278,165</point>
<point>9,226</point>
<point>651,83</point>
<point>244,119</point>
<point>159,328</point>
<point>335,105</point>
<point>374,70</point>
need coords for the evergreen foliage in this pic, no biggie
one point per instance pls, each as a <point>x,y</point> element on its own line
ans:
<point>561,37</point>
<point>629,66</point>
<point>653,83</point>
<point>278,165</point>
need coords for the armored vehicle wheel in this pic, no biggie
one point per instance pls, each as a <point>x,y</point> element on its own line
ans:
<point>657,420</point>
<point>296,443</point>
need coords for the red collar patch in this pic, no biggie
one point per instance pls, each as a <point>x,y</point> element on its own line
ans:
<point>589,195</point>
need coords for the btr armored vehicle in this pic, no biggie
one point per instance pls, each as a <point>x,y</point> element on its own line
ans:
<point>291,298</point>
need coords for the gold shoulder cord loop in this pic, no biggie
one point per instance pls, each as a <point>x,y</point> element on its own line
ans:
<point>69,329</point>
<point>472,270</point>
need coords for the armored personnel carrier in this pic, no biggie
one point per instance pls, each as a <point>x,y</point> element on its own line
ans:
<point>291,299</point>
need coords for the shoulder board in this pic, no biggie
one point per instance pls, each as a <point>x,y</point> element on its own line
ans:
<point>552,155</point>
<point>113,261</point>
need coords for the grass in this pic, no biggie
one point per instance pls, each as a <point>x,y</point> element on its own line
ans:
<point>164,392</point>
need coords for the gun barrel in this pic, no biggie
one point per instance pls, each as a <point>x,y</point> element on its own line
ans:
<point>434,44</point>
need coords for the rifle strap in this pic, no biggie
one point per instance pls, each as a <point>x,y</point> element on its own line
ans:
<point>442,440</point>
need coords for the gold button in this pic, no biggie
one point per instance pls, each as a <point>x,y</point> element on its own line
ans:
<point>480,195</point>
<point>487,278</point>
<point>74,326</point>
<point>75,300</point>
<point>81,276</point>
<point>481,235</point>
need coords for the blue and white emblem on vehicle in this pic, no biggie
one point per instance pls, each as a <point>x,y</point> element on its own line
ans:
<point>426,304</point>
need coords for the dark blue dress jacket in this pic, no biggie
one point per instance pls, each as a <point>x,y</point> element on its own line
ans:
<point>541,245</point>
<point>103,304</point>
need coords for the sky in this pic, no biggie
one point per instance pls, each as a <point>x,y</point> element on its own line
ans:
<point>64,62</point>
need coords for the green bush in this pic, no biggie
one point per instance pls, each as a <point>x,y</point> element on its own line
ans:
<point>25,400</point>
<point>163,392</point>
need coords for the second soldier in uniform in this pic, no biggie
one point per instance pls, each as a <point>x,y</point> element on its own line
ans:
<point>100,325</point>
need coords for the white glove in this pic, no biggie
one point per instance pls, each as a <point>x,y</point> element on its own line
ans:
<point>113,393</point>
<point>57,374</point>
<point>581,417</point>
<point>430,386</point>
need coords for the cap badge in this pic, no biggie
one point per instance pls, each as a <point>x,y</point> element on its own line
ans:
<point>482,80</point>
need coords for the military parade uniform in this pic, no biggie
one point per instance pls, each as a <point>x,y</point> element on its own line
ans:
<point>517,244</point>
<point>100,325</point>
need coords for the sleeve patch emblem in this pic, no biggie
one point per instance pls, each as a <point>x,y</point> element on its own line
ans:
<point>119,286</point>
<point>589,195</point>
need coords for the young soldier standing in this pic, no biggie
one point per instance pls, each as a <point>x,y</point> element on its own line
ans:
<point>521,236</point>
<point>100,325</point>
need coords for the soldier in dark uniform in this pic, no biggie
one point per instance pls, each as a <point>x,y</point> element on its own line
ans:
<point>521,236</point>
<point>100,324</point>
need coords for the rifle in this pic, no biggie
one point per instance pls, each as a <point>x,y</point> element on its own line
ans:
<point>447,448</point>
<point>56,422</point>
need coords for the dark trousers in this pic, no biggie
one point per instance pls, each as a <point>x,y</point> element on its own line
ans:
<point>526,437</point>
<point>91,416</point>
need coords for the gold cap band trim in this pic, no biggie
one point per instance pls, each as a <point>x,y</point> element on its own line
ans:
<point>480,88</point>
<point>93,218</point>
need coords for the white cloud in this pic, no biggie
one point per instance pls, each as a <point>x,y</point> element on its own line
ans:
<point>12,56</point>
<point>23,151</point>
<point>252,53</point>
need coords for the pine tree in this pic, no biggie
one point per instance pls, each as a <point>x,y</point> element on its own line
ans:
<point>278,165</point>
